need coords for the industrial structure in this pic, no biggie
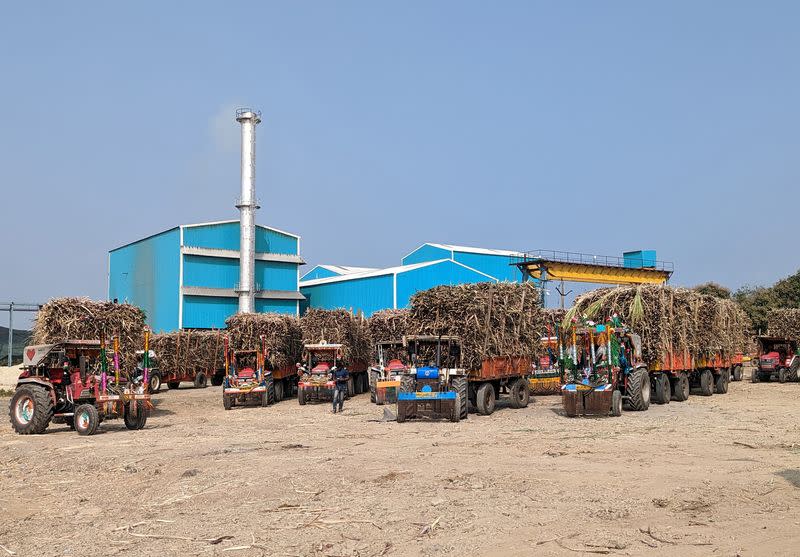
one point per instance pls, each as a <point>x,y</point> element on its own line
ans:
<point>370,290</point>
<point>194,276</point>
<point>187,277</point>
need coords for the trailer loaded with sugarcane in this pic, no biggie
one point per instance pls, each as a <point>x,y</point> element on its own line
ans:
<point>194,357</point>
<point>72,382</point>
<point>482,338</point>
<point>689,340</point>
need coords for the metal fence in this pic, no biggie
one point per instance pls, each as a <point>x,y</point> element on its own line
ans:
<point>11,308</point>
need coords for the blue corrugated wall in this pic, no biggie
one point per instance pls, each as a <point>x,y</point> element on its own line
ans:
<point>366,294</point>
<point>220,272</point>
<point>426,252</point>
<point>274,275</point>
<point>205,312</point>
<point>423,278</point>
<point>318,273</point>
<point>226,236</point>
<point>497,266</point>
<point>276,306</point>
<point>146,273</point>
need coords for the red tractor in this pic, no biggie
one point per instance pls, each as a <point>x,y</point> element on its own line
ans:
<point>777,357</point>
<point>69,382</point>
<point>316,383</point>
<point>246,378</point>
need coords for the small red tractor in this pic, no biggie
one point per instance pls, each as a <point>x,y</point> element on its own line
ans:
<point>246,379</point>
<point>315,383</point>
<point>385,377</point>
<point>69,382</point>
<point>777,357</point>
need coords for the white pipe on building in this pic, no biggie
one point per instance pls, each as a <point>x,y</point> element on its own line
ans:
<point>247,206</point>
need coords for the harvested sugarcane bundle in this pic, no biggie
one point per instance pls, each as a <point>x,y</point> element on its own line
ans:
<point>189,352</point>
<point>677,320</point>
<point>339,326</point>
<point>388,325</point>
<point>784,323</point>
<point>281,332</point>
<point>491,319</point>
<point>553,318</point>
<point>84,319</point>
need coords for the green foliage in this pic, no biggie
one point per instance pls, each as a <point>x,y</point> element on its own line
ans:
<point>758,301</point>
<point>713,289</point>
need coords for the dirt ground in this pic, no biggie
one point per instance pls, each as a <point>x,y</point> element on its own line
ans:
<point>710,476</point>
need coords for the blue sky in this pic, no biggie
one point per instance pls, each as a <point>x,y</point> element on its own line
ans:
<point>584,126</point>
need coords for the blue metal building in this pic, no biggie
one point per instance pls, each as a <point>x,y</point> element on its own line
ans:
<point>186,277</point>
<point>331,286</point>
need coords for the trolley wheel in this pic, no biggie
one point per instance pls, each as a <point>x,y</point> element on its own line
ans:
<point>351,387</point>
<point>680,388</point>
<point>279,390</point>
<point>737,373</point>
<point>173,384</point>
<point>486,399</point>
<point>200,380</point>
<point>519,393</point>
<point>721,383</point>
<point>616,403</point>
<point>662,387</point>
<point>87,419</point>
<point>706,382</point>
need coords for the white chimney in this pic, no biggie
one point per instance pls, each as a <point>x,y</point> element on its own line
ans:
<point>247,206</point>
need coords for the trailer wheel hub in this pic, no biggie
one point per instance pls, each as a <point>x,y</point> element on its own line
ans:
<point>24,410</point>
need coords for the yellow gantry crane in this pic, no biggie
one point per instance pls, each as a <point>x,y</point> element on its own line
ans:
<point>638,267</point>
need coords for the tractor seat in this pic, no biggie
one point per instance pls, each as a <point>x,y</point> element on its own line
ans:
<point>246,373</point>
<point>395,365</point>
<point>322,367</point>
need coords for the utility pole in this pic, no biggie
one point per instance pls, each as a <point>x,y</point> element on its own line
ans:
<point>560,290</point>
<point>11,307</point>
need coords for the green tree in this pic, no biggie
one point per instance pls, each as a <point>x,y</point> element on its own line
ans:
<point>713,289</point>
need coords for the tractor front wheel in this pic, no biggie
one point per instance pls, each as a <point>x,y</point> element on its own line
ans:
<point>460,386</point>
<point>31,409</point>
<point>154,382</point>
<point>456,415</point>
<point>754,375</point>
<point>301,395</point>
<point>374,377</point>
<point>87,419</point>
<point>227,401</point>
<point>616,403</point>
<point>486,399</point>
<point>135,421</point>
<point>269,395</point>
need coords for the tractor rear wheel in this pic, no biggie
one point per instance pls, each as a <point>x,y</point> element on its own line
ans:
<point>137,421</point>
<point>374,377</point>
<point>87,419</point>
<point>173,384</point>
<point>706,382</point>
<point>301,395</point>
<point>269,394</point>
<point>737,372</point>
<point>663,391</point>
<point>639,389</point>
<point>792,375</point>
<point>154,382</point>
<point>200,380</point>
<point>486,399</point>
<point>31,409</point>
<point>460,386</point>
<point>721,383</point>
<point>519,394</point>
<point>227,401</point>
<point>616,403</point>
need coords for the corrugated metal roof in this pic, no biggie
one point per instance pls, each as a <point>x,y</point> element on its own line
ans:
<point>482,251</point>
<point>381,272</point>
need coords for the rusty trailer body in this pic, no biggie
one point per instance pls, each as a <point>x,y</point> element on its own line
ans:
<point>673,374</point>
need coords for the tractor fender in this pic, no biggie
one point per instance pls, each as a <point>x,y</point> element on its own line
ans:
<point>38,381</point>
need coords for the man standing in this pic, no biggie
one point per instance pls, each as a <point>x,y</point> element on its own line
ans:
<point>341,377</point>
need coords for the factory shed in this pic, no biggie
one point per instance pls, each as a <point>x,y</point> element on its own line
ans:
<point>327,271</point>
<point>392,288</point>
<point>187,277</point>
<point>496,263</point>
